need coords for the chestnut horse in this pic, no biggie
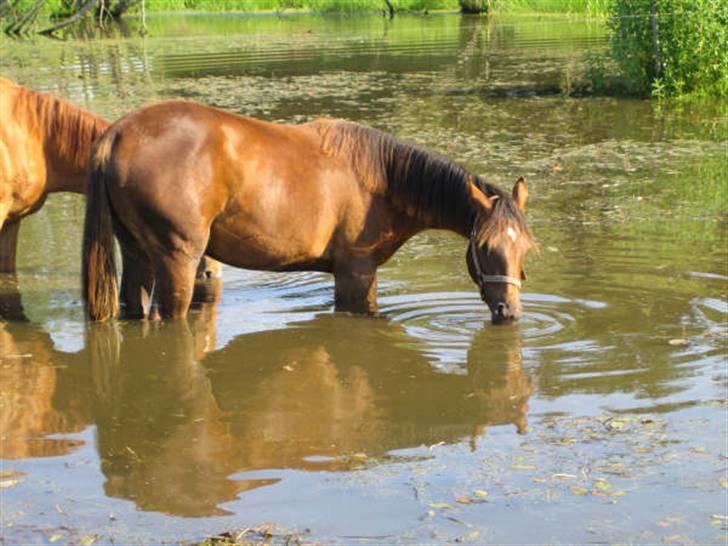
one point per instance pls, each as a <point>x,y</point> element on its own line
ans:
<point>176,180</point>
<point>45,144</point>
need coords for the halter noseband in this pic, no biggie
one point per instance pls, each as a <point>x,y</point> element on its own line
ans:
<point>482,277</point>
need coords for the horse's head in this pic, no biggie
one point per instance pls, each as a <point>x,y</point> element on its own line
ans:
<point>499,242</point>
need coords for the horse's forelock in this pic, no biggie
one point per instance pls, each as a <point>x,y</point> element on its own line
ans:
<point>505,214</point>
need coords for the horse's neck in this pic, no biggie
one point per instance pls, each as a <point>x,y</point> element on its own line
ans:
<point>429,189</point>
<point>68,150</point>
<point>426,216</point>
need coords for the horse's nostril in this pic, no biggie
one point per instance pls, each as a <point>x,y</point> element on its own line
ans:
<point>501,309</point>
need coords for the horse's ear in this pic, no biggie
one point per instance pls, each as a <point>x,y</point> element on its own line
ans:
<point>478,197</point>
<point>520,193</point>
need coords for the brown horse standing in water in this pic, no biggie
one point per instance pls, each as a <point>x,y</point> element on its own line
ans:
<point>177,179</point>
<point>45,145</point>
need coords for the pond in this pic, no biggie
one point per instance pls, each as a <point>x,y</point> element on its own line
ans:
<point>599,417</point>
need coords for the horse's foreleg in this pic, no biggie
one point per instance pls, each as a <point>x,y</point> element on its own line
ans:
<point>355,289</point>
<point>8,246</point>
<point>208,281</point>
<point>209,269</point>
<point>11,305</point>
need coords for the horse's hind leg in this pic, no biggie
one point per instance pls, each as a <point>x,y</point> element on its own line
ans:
<point>8,246</point>
<point>137,278</point>
<point>175,284</point>
<point>137,281</point>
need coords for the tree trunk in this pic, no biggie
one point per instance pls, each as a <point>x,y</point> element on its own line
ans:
<point>390,8</point>
<point>474,6</point>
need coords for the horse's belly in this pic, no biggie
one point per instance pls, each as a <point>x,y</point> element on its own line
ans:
<point>266,252</point>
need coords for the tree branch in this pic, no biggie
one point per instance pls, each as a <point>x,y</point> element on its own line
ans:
<point>80,14</point>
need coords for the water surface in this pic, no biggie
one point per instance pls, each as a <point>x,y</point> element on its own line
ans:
<point>600,417</point>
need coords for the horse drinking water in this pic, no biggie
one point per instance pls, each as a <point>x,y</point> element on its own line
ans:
<point>176,180</point>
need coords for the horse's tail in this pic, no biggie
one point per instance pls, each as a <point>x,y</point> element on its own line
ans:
<point>100,291</point>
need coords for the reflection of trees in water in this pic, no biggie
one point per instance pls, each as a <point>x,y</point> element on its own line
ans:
<point>110,77</point>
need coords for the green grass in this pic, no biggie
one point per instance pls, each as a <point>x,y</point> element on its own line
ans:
<point>592,8</point>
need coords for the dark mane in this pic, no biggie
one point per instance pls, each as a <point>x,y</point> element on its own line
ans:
<point>69,129</point>
<point>426,185</point>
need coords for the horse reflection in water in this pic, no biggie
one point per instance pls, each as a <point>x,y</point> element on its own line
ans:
<point>38,396</point>
<point>176,419</point>
<point>161,436</point>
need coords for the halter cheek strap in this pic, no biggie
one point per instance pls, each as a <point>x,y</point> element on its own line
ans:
<point>482,277</point>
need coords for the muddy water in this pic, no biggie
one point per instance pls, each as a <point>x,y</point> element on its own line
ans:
<point>600,417</point>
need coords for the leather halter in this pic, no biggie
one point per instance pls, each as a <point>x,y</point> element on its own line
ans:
<point>482,277</point>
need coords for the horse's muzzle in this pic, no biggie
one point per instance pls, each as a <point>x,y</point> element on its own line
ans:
<point>503,313</point>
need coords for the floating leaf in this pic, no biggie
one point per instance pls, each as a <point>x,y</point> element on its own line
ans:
<point>519,466</point>
<point>578,490</point>
<point>55,538</point>
<point>474,534</point>
<point>444,505</point>
<point>603,485</point>
<point>678,342</point>
<point>88,540</point>
<point>667,522</point>
<point>464,500</point>
<point>561,476</point>
<point>480,493</point>
<point>11,478</point>
<point>723,482</point>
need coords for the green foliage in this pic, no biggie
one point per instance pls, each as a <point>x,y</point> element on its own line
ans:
<point>591,8</point>
<point>687,55</point>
